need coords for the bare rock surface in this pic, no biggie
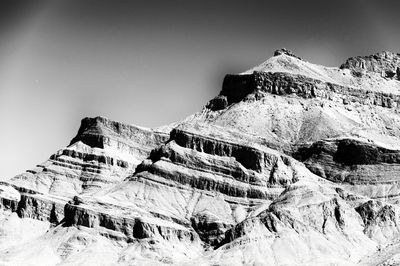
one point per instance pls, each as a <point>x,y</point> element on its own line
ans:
<point>103,152</point>
<point>385,63</point>
<point>291,164</point>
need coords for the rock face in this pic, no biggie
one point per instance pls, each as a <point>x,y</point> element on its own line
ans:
<point>291,164</point>
<point>360,166</point>
<point>385,63</point>
<point>103,153</point>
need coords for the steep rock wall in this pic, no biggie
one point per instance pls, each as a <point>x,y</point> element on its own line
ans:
<point>364,167</point>
<point>238,87</point>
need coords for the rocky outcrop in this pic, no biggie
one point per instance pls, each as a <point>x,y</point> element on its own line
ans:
<point>253,87</point>
<point>381,220</point>
<point>384,63</point>
<point>137,228</point>
<point>103,152</point>
<point>30,204</point>
<point>9,197</point>
<point>286,52</point>
<point>40,208</point>
<point>310,220</point>
<point>103,133</point>
<point>212,163</point>
<point>364,167</point>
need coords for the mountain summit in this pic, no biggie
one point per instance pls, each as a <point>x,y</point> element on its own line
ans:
<point>292,163</point>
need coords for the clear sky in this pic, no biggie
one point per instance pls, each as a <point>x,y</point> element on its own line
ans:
<point>154,62</point>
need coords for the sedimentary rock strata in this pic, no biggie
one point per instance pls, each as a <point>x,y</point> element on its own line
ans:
<point>103,153</point>
<point>291,164</point>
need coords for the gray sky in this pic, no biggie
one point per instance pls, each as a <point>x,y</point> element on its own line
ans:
<point>154,62</point>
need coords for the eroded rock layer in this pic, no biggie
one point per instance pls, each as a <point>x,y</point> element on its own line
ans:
<point>103,153</point>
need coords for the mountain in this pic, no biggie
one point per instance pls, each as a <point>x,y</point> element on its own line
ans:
<point>291,164</point>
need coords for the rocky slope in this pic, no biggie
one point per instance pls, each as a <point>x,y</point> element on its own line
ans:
<point>291,164</point>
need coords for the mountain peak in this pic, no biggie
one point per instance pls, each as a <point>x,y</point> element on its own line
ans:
<point>285,52</point>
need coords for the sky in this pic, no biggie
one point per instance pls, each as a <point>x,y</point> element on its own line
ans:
<point>151,63</point>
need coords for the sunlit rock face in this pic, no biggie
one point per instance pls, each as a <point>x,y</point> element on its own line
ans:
<point>291,164</point>
<point>103,153</point>
<point>385,63</point>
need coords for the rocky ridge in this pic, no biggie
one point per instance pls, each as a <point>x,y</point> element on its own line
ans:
<point>291,164</point>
